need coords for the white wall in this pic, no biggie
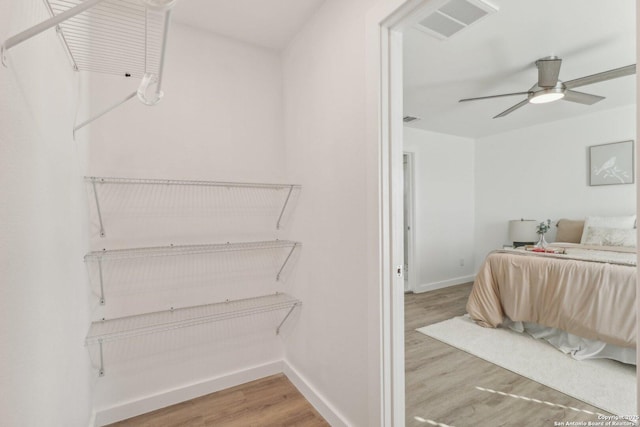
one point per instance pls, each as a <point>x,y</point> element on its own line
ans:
<point>329,154</point>
<point>444,208</point>
<point>45,376</point>
<point>222,120</point>
<point>541,173</point>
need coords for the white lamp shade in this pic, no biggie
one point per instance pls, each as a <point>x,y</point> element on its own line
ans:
<point>523,230</point>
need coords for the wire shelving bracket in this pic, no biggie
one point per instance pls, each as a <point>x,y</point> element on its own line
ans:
<point>121,37</point>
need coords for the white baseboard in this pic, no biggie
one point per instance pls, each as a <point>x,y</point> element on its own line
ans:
<point>444,284</point>
<point>328,412</point>
<point>171,397</point>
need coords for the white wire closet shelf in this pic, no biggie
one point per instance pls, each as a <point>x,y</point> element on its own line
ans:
<point>111,180</point>
<point>281,252</point>
<point>162,251</point>
<point>105,331</point>
<point>120,202</point>
<point>120,37</point>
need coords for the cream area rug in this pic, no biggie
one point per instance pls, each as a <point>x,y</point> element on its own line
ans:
<point>603,383</point>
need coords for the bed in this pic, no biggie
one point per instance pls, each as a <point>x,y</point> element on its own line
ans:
<point>582,301</point>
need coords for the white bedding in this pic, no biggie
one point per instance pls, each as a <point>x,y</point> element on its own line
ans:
<point>589,291</point>
<point>579,348</point>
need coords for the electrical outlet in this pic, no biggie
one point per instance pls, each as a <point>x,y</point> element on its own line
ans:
<point>461,262</point>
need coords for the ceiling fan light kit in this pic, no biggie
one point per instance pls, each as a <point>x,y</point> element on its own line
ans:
<point>549,88</point>
<point>544,96</point>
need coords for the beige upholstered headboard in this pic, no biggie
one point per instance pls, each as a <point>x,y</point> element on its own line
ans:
<point>569,230</point>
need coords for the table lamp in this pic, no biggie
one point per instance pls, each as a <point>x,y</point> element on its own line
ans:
<point>523,232</point>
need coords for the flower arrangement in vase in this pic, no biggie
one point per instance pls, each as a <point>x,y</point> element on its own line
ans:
<point>542,229</point>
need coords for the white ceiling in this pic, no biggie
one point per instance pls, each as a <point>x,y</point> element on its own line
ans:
<point>497,55</point>
<point>266,23</point>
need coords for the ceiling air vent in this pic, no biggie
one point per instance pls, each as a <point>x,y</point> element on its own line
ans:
<point>409,119</point>
<point>453,16</point>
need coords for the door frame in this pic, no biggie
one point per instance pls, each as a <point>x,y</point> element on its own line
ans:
<point>384,25</point>
<point>409,188</point>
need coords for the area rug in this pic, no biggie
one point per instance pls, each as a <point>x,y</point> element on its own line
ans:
<point>603,383</point>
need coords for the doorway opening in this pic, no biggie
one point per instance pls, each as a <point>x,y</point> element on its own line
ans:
<point>392,191</point>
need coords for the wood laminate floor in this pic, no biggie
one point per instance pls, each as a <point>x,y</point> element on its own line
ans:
<point>441,388</point>
<point>271,401</point>
<point>441,380</point>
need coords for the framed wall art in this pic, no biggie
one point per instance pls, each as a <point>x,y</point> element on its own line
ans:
<point>611,164</point>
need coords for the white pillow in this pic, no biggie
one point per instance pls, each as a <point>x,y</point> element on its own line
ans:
<point>605,236</point>
<point>609,222</point>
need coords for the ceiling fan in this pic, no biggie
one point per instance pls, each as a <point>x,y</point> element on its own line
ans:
<point>549,88</point>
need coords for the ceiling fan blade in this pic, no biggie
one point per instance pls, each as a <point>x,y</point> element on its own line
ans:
<point>581,97</point>
<point>512,109</point>
<point>493,96</point>
<point>601,77</point>
<point>548,71</point>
